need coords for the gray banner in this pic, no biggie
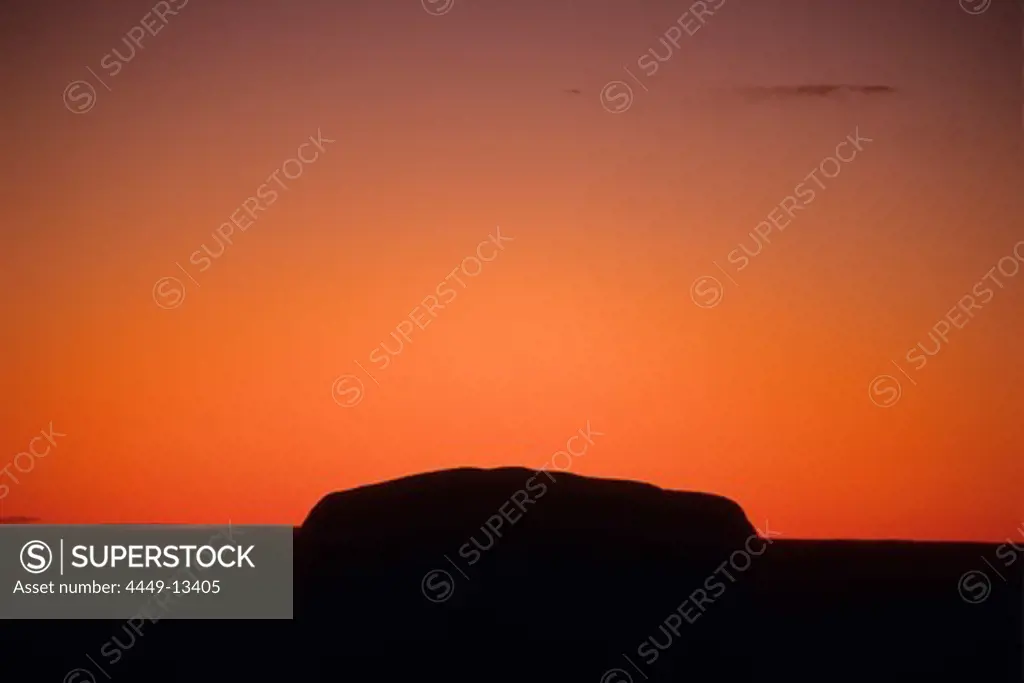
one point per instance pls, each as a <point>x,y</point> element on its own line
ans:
<point>145,572</point>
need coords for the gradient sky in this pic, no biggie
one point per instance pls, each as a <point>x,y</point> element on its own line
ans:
<point>448,126</point>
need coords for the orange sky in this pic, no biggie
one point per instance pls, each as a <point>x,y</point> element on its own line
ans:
<point>222,408</point>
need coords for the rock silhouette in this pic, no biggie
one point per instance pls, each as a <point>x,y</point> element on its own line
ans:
<point>512,574</point>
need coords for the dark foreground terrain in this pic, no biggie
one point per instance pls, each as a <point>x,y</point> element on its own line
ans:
<point>514,575</point>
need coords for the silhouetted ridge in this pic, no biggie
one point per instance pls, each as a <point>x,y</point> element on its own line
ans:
<point>461,500</point>
<point>442,575</point>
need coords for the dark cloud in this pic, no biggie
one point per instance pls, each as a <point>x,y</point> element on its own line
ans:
<point>573,91</point>
<point>756,93</point>
<point>19,520</point>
